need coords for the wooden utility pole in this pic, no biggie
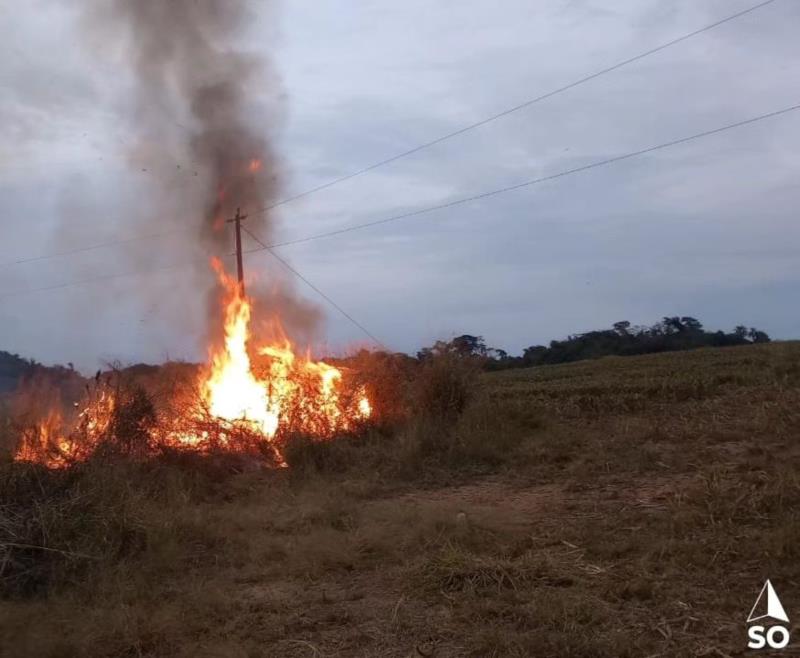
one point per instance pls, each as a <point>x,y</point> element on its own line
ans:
<point>237,222</point>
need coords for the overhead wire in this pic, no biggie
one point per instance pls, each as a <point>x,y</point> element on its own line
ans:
<point>516,108</point>
<point>437,140</point>
<point>529,183</point>
<point>463,200</point>
<point>322,294</point>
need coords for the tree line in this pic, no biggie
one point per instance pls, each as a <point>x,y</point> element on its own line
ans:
<point>621,339</point>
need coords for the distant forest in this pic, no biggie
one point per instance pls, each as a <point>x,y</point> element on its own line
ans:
<point>622,339</point>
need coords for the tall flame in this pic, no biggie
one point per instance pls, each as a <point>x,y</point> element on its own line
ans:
<point>231,390</point>
<point>294,392</point>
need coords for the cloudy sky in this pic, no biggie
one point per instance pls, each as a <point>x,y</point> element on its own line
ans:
<point>708,228</point>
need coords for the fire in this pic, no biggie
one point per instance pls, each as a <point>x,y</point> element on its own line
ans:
<point>364,407</point>
<point>263,392</point>
<point>291,392</point>
<point>43,442</point>
<point>231,390</point>
<point>46,442</point>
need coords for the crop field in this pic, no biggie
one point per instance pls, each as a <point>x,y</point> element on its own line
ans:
<point>619,507</point>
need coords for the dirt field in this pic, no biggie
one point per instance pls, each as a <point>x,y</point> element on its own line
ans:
<point>621,507</point>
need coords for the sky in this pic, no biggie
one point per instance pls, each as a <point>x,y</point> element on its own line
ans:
<point>707,228</point>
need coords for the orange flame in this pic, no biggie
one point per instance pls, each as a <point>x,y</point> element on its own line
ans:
<point>281,393</point>
<point>47,444</point>
<point>293,394</point>
<point>231,390</point>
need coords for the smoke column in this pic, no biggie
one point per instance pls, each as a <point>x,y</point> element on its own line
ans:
<point>194,92</point>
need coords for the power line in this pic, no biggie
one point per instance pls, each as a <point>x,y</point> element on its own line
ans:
<point>535,181</point>
<point>438,140</point>
<point>355,322</point>
<point>102,277</point>
<point>515,108</point>
<point>461,201</point>
<point>99,245</point>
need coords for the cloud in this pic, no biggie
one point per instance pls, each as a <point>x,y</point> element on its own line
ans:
<point>706,229</point>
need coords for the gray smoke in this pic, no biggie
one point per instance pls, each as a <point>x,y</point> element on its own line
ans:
<point>201,131</point>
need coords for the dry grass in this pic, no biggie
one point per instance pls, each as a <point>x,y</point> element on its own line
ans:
<point>622,507</point>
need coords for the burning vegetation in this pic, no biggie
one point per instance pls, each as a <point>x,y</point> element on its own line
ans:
<point>250,397</point>
<point>192,103</point>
